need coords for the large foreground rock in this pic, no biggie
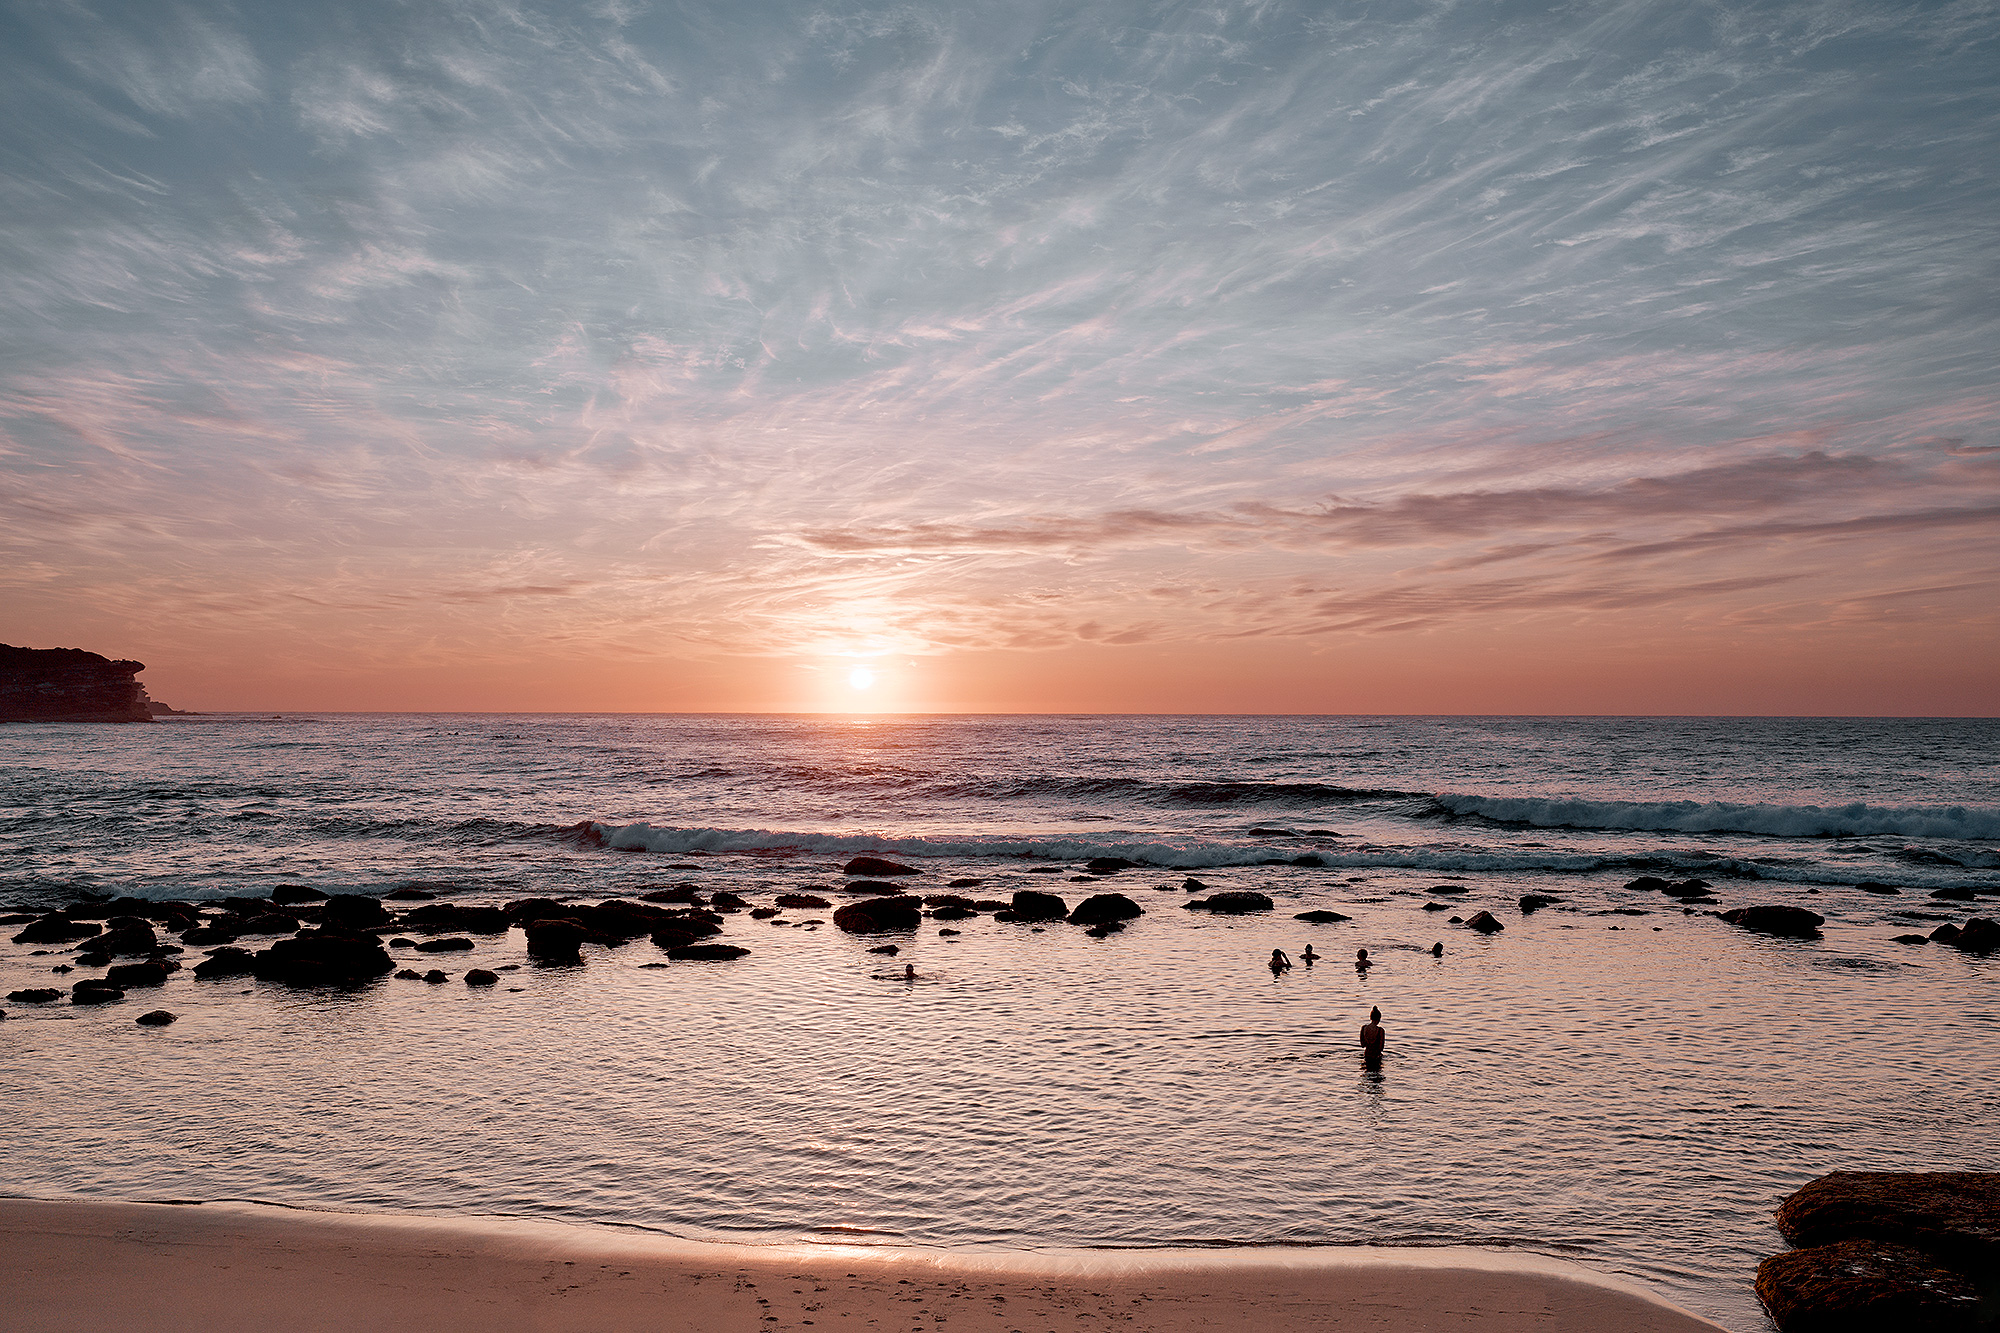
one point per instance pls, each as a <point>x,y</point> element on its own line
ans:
<point>1954,1215</point>
<point>1102,907</point>
<point>353,911</point>
<point>323,958</point>
<point>1770,919</point>
<point>1034,905</point>
<point>1861,1286</point>
<point>874,916</point>
<point>556,939</point>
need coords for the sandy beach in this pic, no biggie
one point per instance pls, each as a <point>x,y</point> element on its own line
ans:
<point>224,1267</point>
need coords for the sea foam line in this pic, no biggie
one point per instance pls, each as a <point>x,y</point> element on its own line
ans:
<point>1779,821</point>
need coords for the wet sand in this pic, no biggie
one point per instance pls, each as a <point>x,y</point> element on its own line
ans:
<point>219,1268</point>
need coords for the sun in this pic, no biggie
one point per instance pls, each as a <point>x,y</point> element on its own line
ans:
<point>861,678</point>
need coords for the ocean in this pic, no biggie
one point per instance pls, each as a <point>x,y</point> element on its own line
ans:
<point>1618,1078</point>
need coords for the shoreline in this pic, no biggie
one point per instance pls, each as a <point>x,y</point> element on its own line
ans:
<point>222,1267</point>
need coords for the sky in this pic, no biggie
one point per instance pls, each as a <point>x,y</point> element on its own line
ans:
<point>1416,357</point>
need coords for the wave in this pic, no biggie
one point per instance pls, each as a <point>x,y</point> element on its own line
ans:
<point>1775,821</point>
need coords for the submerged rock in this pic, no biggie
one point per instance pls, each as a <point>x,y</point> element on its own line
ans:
<point>1435,907</point>
<point>138,974</point>
<point>454,944</point>
<point>1321,916</point>
<point>1100,908</point>
<point>725,901</point>
<point>55,928</point>
<point>158,1018</point>
<point>286,894</point>
<point>706,953</point>
<point>1534,902</point>
<point>874,886</point>
<point>874,867</point>
<point>801,900</point>
<point>1235,902</point>
<point>479,976</point>
<point>1776,919</point>
<point>36,995</point>
<point>451,916</point>
<point>873,916</point>
<point>226,963</point>
<point>95,992</point>
<point>409,974</point>
<point>1109,865</point>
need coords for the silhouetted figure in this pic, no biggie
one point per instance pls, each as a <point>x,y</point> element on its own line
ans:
<point>1373,1039</point>
<point>1437,950</point>
<point>909,971</point>
<point>1309,957</point>
<point>1279,963</point>
<point>1361,963</point>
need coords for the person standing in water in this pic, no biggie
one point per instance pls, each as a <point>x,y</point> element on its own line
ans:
<point>1373,1039</point>
<point>1279,963</point>
<point>1309,957</point>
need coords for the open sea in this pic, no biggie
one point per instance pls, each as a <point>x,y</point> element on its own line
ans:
<point>1614,1079</point>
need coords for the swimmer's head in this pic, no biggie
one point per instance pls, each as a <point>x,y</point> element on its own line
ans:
<point>1374,1015</point>
<point>1360,953</point>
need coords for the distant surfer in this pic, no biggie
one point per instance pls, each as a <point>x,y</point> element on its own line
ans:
<point>1309,957</point>
<point>1279,963</point>
<point>1361,963</point>
<point>1373,1039</point>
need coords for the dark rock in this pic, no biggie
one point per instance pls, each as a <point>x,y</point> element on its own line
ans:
<point>706,953</point>
<point>1100,908</point>
<point>1864,1286</point>
<point>679,893</point>
<point>479,976</point>
<point>762,913</point>
<point>127,938</point>
<point>964,883</point>
<point>949,931</point>
<point>1449,888</point>
<point>206,935</point>
<point>556,940</point>
<point>725,901</point>
<point>95,992</point>
<point>158,1018</point>
<point>618,919</point>
<point>453,944</point>
<point>1234,903</point>
<point>1911,939</point>
<point>137,974</point>
<point>406,895</point>
<point>1045,870</point>
<point>874,886</point>
<point>885,948</point>
<point>1534,902</point>
<point>947,900</point>
<point>353,911</point>
<point>38,995</point>
<point>1946,934</point>
<point>1951,893</point>
<point>874,867</point>
<point>60,967</point>
<point>1648,884</point>
<point>409,974</point>
<point>525,910</point>
<point>436,978</point>
<point>452,916</point>
<point>872,916</point>
<point>323,958</point>
<point>1772,919</point>
<point>270,923</point>
<point>286,894</point>
<point>949,913</point>
<point>55,928</point>
<point>1435,907</point>
<point>1952,1215</point>
<point>226,963</point>
<point>1870,886</point>
<point>1979,935</point>
<point>1109,865</point>
<point>69,685</point>
<point>1484,922</point>
<point>89,959</point>
<point>801,900</point>
<point>991,905</point>
<point>1321,916</point>
<point>400,942</point>
<point>1687,890</point>
<point>1033,905</point>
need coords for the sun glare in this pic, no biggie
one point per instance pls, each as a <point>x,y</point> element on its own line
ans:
<point>861,678</point>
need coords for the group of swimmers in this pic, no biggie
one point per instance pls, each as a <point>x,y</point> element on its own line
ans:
<point>1373,1036</point>
<point>1362,962</point>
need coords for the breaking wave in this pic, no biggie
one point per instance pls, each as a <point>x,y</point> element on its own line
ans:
<point>1774,821</point>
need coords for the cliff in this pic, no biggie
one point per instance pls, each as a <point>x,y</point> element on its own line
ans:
<point>69,685</point>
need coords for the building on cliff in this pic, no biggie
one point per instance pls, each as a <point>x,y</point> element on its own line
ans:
<point>69,685</point>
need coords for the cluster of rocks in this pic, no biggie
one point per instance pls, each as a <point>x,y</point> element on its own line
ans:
<point>886,907</point>
<point>1914,1252</point>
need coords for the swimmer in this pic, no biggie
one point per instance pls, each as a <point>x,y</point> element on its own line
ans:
<point>1279,963</point>
<point>1437,950</point>
<point>1373,1038</point>
<point>1309,957</point>
<point>1361,963</point>
<point>909,971</point>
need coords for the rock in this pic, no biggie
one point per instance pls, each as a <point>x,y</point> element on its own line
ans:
<point>1912,939</point>
<point>1449,888</point>
<point>706,953</point>
<point>452,916</point>
<point>965,883</point>
<point>1979,935</point>
<point>1870,886</point>
<point>452,945</point>
<point>1534,902</point>
<point>69,685</point>
<point>133,975</point>
<point>872,916</point>
<point>406,894</point>
<point>1771,919</point>
<point>38,995</point>
<point>1952,1215</point>
<point>1946,934</point>
<point>801,900</point>
<point>436,978</point>
<point>55,928</point>
<point>353,911</point>
<point>556,940</point>
<point>226,963</point>
<point>1954,894</point>
<point>1234,903</point>
<point>1102,907</point>
<point>286,894</point>
<point>949,931</point>
<point>524,910</point>
<point>128,937</point>
<point>991,905</point>
<point>1484,922</point>
<point>670,938</point>
<point>95,992</point>
<point>205,935</point>
<point>269,923</point>
<point>409,974</point>
<point>875,886</point>
<point>1109,865</point>
<point>1435,907</point>
<point>479,976</point>
<point>617,919</point>
<point>874,867</point>
<point>885,948</point>
<point>762,913</point>
<point>949,913</point>
<point>158,1018</point>
<point>1045,870</point>
<point>1193,885</point>
<point>1033,905</point>
<point>948,900</point>
<point>1648,884</point>
<point>725,901</point>
<point>679,893</point>
<point>1687,890</point>
<point>1863,1286</point>
<point>324,958</point>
